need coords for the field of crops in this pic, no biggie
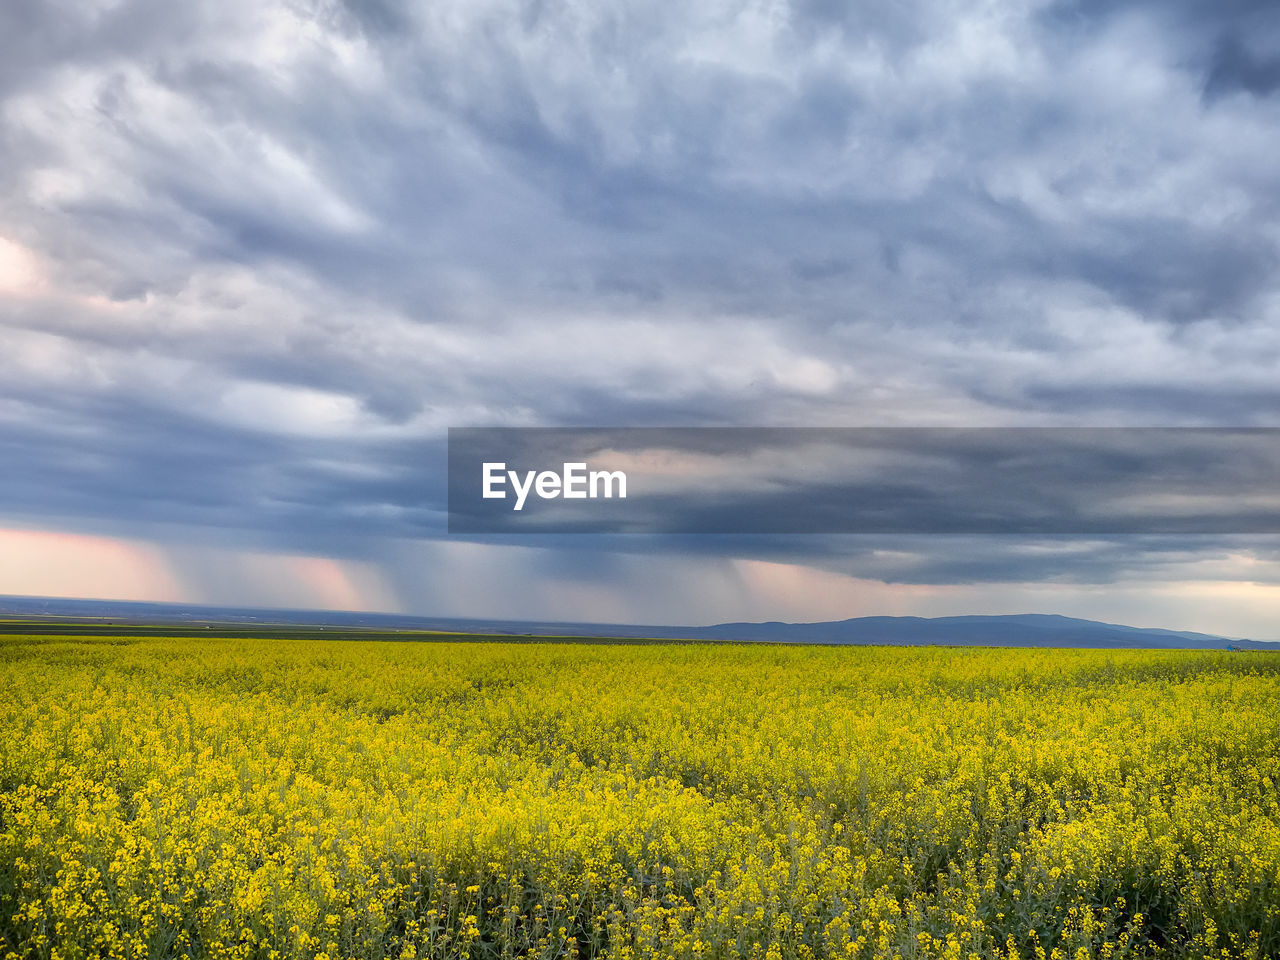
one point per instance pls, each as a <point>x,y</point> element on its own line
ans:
<point>240,798</point>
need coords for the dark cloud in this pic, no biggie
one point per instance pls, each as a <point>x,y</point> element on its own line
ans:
<point>259,256</point>
<point>1236,67</point>
<point>1209,36</point>
<point>878,480</point>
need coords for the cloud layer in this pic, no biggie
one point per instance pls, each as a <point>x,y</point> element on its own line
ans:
<point>256,257</point>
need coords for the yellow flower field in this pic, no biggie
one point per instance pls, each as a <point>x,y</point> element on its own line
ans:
<point>281,798</point>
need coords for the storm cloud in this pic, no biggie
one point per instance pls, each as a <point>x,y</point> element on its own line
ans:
<point>255,258</point>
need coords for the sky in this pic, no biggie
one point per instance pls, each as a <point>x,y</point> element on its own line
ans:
<point>256,257</point>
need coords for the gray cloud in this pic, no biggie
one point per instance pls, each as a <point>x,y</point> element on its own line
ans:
<point>1236,67</point>
<point>269,252</point>
<point>897,481</point>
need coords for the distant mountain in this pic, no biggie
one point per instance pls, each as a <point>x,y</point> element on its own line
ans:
<point>1023,630</point>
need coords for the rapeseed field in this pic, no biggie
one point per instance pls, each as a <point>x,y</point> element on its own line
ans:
<point>281,799</point>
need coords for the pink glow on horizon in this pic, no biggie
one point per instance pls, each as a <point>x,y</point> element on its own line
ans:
<point>314,582</point>
<point>475,580</point>
<point>47,563</point>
